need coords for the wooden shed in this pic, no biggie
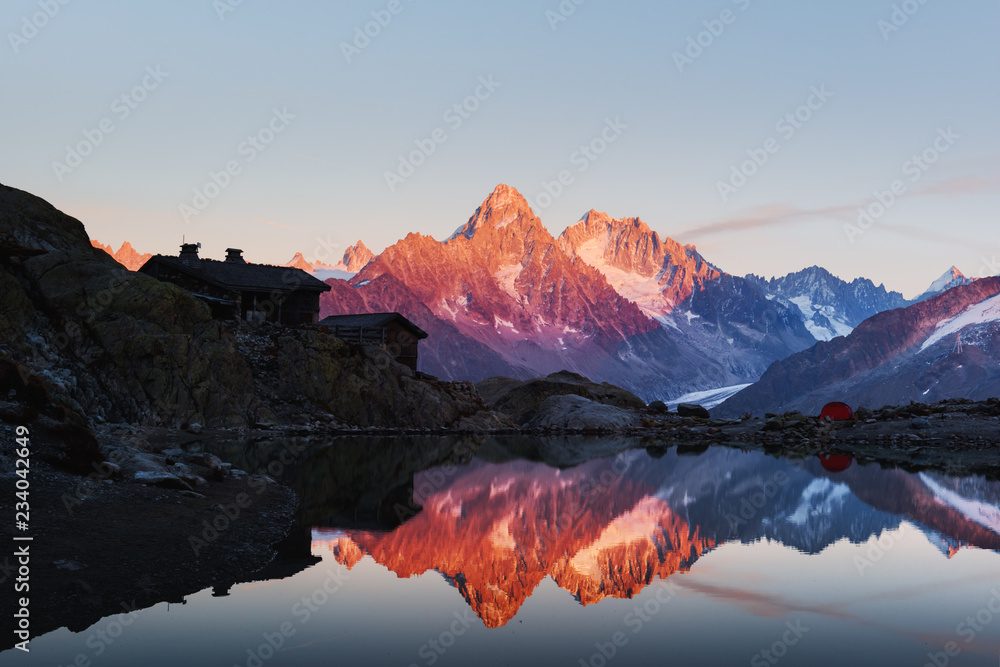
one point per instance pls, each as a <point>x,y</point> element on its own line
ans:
<point>400,336</point>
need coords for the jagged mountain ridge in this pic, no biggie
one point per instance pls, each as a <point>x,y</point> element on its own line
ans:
<point>126,255</point>
<point>830,306</point>
<point>657,274</point>
<point>355,258</point>
<point>501,296</point>
<point>728,317</point>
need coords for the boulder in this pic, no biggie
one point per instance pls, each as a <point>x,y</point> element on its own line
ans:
<point>693,410</point>
<point>572,412</point>
<point>521,400</point>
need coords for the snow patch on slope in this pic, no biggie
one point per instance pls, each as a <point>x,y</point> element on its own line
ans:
<point>809,311</point>
<point>499,322</point>
<point>707,399</point>
<point>507,276</point>
<point>983,514</point>
<point>645,292</point>
<point>980,313</point>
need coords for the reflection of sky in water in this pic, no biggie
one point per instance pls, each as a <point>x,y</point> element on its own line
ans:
<point>736,600</point>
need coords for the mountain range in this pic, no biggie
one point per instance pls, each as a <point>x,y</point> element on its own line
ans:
<point>355,258</point>
<point>609,298</point>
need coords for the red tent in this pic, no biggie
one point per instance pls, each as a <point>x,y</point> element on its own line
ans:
<point>837,412</point>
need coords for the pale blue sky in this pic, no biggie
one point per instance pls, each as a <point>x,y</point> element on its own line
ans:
<point>321,182</point>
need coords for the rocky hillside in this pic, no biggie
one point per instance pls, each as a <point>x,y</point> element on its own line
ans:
<point>521,400</point>
<point>107,344</point>
<point>945,347</point>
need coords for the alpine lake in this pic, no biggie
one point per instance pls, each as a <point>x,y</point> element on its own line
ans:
<point>582,551</point>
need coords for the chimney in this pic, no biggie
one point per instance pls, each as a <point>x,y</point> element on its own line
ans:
<point>189,254</point>
<point>235,256</point>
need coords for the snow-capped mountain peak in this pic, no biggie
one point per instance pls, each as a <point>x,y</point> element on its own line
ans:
<point>950,278</point>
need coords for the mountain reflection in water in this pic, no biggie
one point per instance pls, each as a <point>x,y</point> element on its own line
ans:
<point>497,526</point>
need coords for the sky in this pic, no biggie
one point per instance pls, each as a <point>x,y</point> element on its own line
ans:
<point>756,130</point>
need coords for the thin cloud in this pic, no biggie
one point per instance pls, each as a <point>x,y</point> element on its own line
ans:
<point>783,214</point>
<point>767,605</point>
<point>959,186</point>
<point>769,216</point>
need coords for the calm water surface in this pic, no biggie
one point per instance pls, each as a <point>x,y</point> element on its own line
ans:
<point>529,554</point>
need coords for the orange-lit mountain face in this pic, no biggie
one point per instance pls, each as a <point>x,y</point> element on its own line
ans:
<point>502,279</point>
<point>127,256</point>
<point>355,258</point>
<point>497,537</point>
<point>600,301</point>
<point>655,273</point>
